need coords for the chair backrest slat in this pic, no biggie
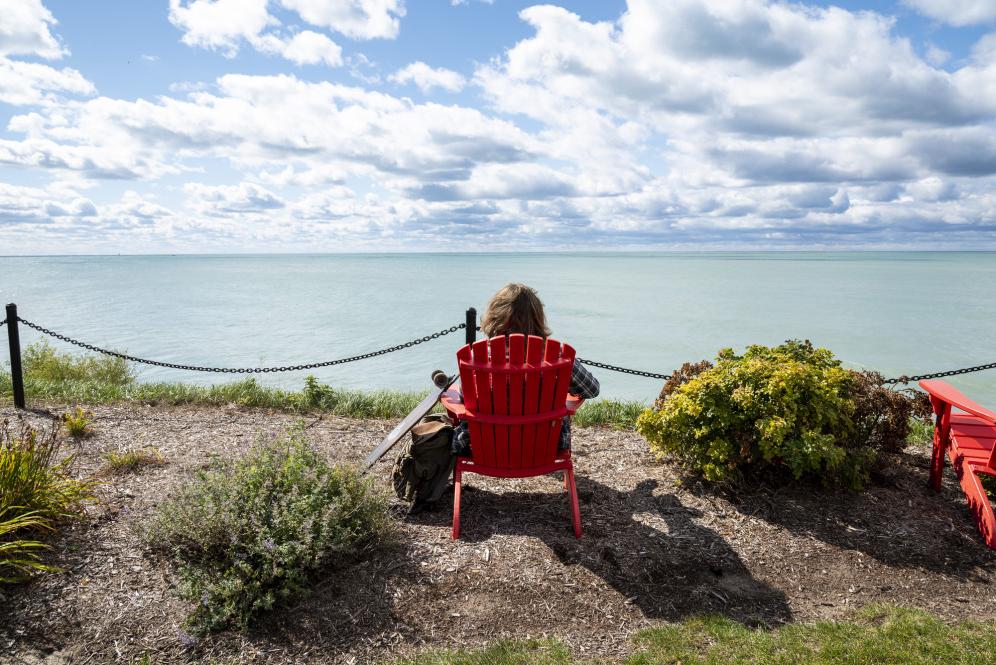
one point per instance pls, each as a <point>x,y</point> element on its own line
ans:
<point>493,387</point>
<point>530,404</point>
<point>516,389</point>
<point>482,381</point>
<point>499,398</point>
<point>548,391</point>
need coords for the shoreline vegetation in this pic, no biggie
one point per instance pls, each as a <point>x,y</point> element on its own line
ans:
<point>55,376</point>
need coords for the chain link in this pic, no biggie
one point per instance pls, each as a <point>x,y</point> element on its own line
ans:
<point>937,375</point>
<point>243,370</point>
<point>624,370</point>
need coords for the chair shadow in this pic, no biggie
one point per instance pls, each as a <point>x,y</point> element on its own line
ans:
<point>645,546</point>
<point>896,520</point>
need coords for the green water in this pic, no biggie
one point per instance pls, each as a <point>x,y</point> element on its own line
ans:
<point>899,313</point>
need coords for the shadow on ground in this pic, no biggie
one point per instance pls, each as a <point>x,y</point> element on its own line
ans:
<point>897,520</point>
<point>642,543</point>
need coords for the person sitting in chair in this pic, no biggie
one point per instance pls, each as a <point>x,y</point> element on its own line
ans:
<point>516,309</point>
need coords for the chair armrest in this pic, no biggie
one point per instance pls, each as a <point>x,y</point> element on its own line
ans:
<point>573,404</point>
<point>452,401</point>
<point>948,394</point>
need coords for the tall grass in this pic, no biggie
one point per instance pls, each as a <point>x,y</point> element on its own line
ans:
<point>37,491</point>
<point>86,379</point>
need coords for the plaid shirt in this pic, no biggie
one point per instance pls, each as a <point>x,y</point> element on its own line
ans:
<point>583,384</point>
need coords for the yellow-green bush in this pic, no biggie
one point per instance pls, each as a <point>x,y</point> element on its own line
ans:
<point>787,410</point>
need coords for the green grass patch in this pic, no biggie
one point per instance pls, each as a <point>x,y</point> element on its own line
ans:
<point>526,652</point>
<point>132,461</point>
<point>921,433</point>
<point>55,376</point>
<point>250,534</point>
<point>878,635</point>
<point>37,491</point>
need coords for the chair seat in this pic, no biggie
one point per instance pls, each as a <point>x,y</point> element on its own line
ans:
<point>561,463</point>
<point>972,440</point>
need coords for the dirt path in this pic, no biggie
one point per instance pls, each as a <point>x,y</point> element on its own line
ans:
<point>653,551</point>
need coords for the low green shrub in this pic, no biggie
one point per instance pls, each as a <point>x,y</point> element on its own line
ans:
<point>131,461</point>
<point>787,411</point>
<point>252,533</point>
<point>77,423</point>
<point>37,491</point>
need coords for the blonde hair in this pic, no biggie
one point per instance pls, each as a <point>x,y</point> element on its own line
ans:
<point>515,309</point>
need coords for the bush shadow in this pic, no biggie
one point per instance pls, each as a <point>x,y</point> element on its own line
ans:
<point>896,520</point>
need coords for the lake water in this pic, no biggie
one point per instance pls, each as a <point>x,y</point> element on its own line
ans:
<point>899,313</point>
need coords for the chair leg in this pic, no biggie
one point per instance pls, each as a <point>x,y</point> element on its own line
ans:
<point>457,479</point>
<point>942,435</point>
<point>978,503</point>
<point>572,493</point>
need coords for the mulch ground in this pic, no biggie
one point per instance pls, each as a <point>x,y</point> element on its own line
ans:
<point>654,550</point>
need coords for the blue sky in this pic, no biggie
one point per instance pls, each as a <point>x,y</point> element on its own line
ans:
<point>368,125</point>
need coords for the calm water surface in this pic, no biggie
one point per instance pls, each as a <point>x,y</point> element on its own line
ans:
<point>894,312</point>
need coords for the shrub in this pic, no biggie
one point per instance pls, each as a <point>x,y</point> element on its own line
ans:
<point>251,534</point>
<point>130,461</point>
<point>77,422</point>
<point>883,416</point>
<point>37,490</point>
<point>791,410</point>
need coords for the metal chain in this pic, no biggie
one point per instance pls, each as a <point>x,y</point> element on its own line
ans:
<point>414,342</point>
<point>624,370</point>
<point>614,368</point>
<point>937,375</point>
<point>245,370</point>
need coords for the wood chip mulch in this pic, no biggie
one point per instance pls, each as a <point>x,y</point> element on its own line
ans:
<point>656,549</point>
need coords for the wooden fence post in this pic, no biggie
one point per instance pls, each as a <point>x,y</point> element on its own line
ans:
<point>16,376</point>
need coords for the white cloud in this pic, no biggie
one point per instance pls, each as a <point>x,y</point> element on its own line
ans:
<point>228,200</point>
<point>24,30</point>
<point>957,12</point>
<point>936,55</point>
<point>23,83</point>
<point>220,24</point>
<point>312,48</point>
<point>304,48</point>
<point>359,19</point>
<point>226,25</point>
<point>427,78</point>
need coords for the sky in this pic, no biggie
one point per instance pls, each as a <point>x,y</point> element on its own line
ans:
<point>212,126</point>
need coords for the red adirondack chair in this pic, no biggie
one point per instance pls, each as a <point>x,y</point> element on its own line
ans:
<point>514,400</point>
<point>968,440</point>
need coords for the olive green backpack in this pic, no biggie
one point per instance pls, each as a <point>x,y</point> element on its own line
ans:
<point>423,468</point>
